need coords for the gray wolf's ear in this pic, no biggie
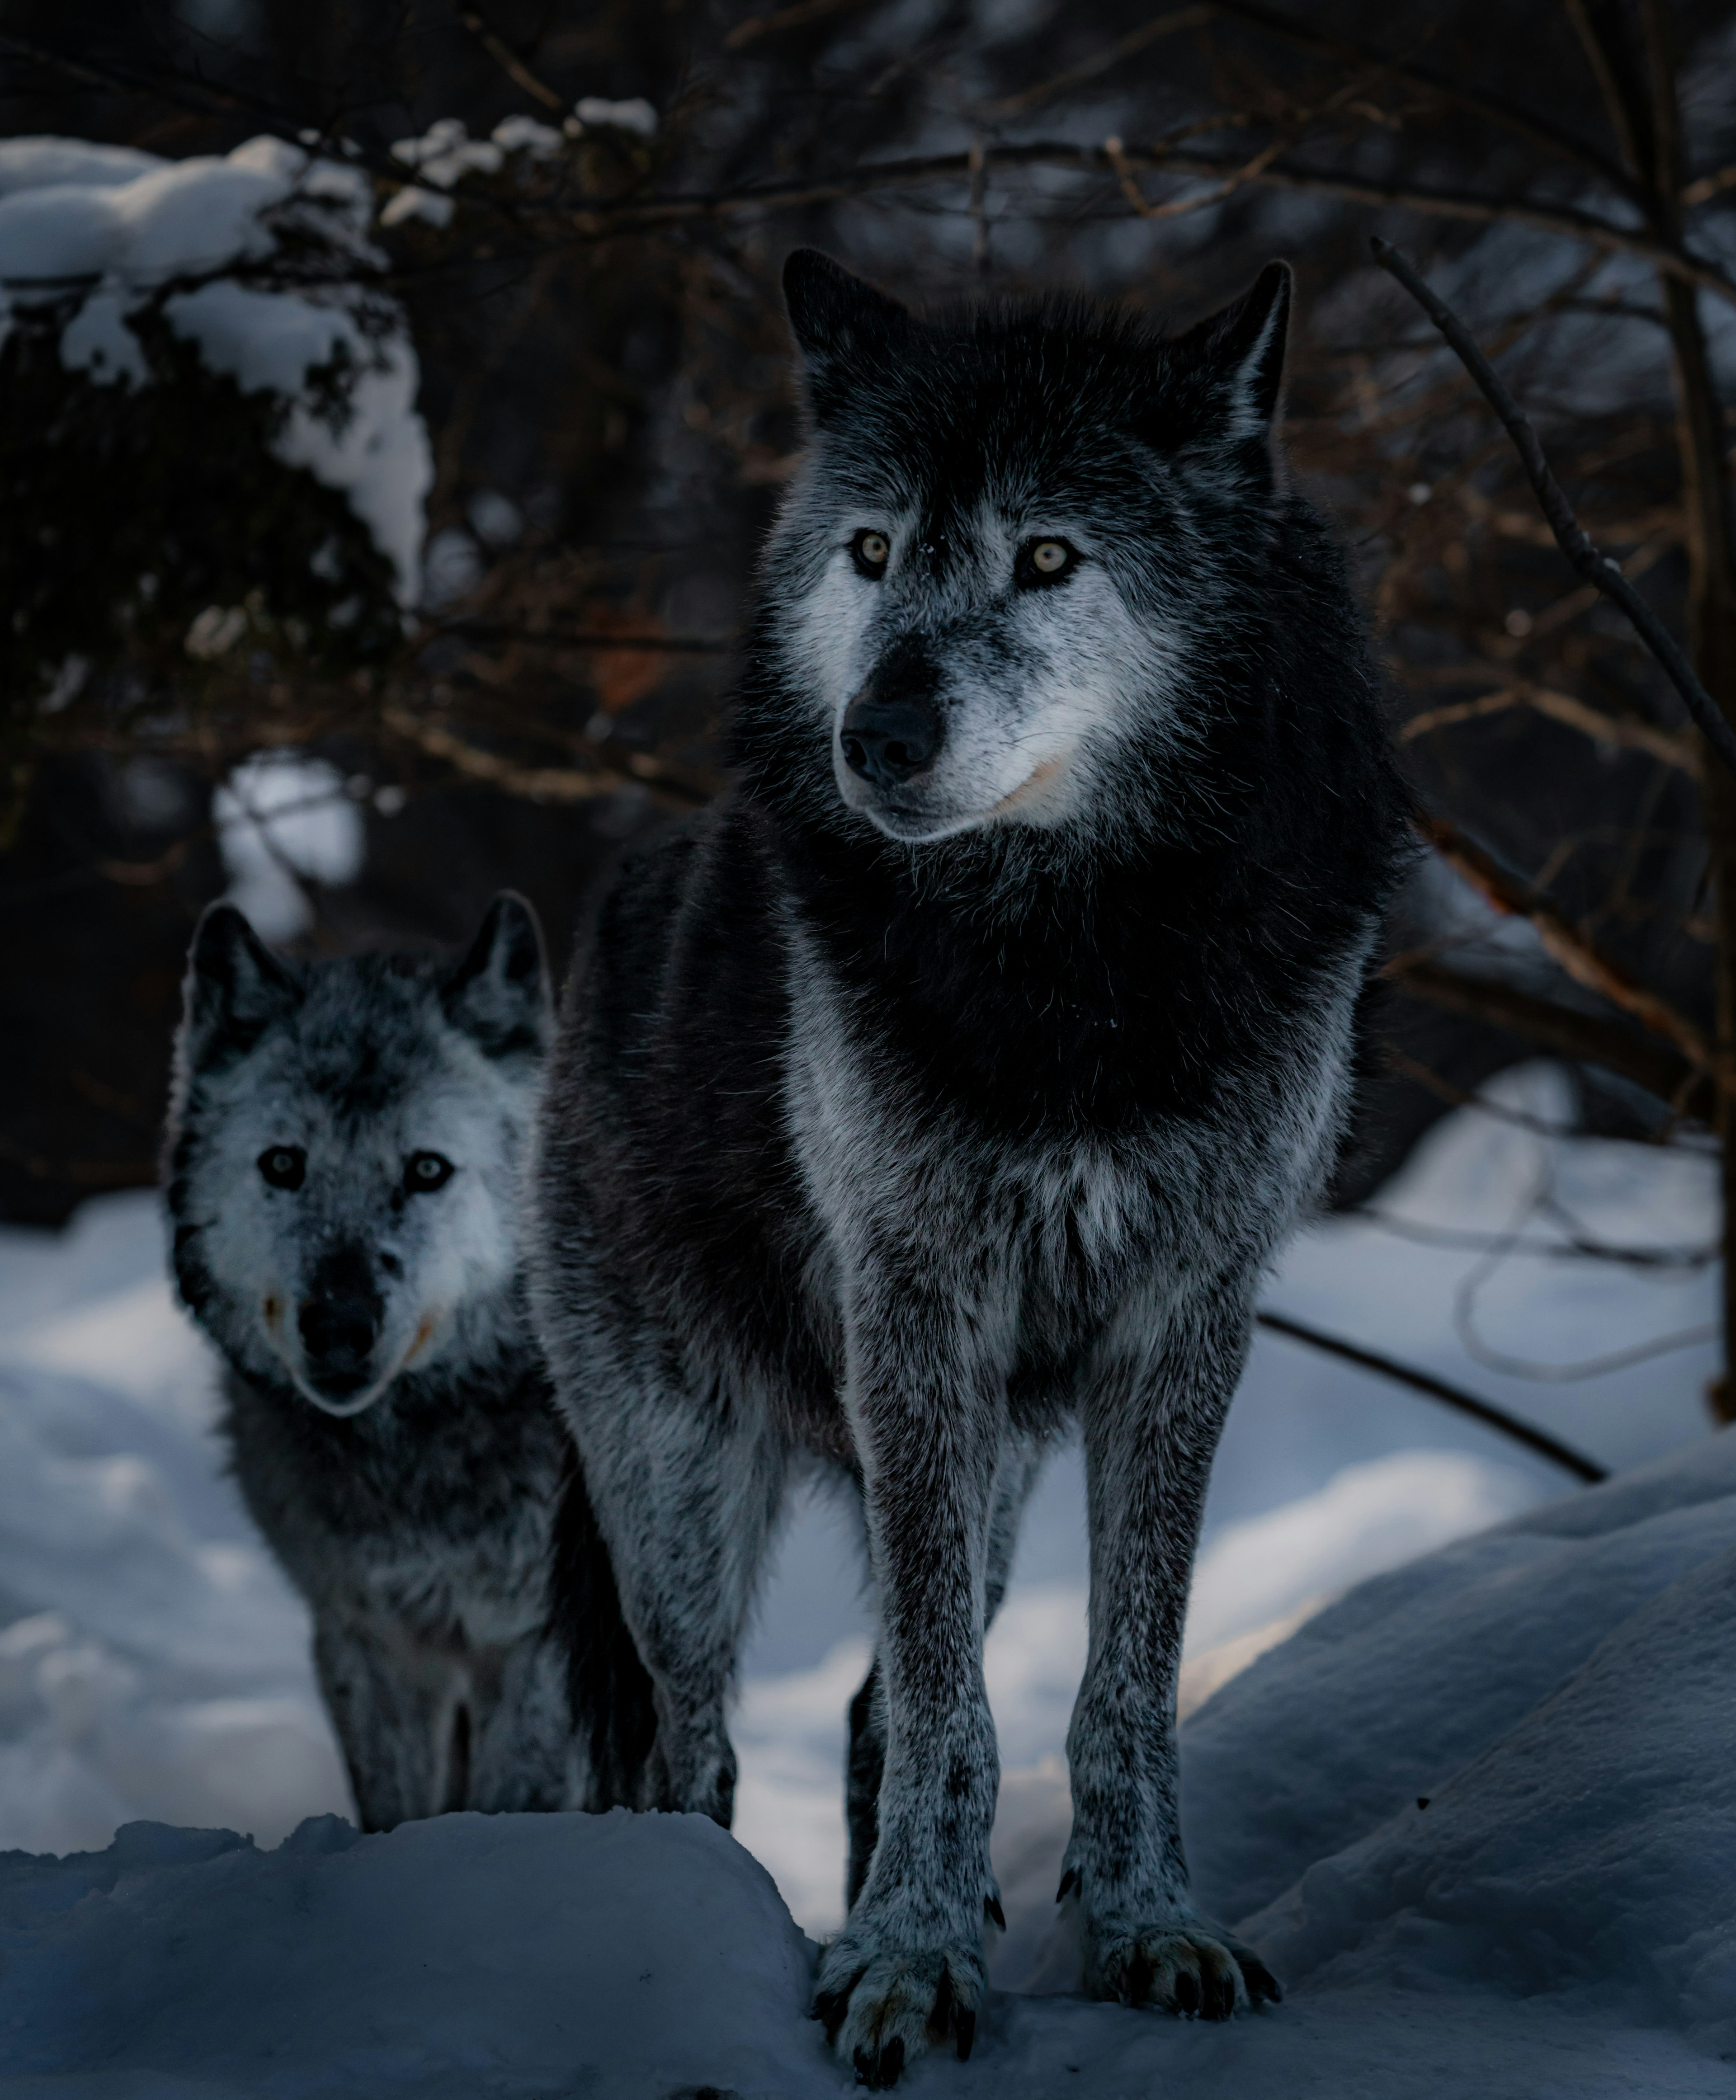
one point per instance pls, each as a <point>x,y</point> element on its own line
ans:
<point>500,992</point>
<point>844,328</point>
<point>235,989</point>
<point>1245,344</point>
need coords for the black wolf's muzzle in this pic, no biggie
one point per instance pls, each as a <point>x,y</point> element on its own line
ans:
<point>339,1322</point>
<point>893,729</point>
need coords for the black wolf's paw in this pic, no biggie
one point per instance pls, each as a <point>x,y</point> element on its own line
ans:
<point>883,2004</point>
<point>1193,1970</point>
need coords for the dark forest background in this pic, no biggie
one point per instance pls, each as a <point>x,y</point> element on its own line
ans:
<point>604,376</point>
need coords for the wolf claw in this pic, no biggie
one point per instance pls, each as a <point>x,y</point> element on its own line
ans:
<point>1187,1969</point>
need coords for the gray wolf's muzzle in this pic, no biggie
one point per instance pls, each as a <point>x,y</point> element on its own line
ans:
<point>339,1323</point>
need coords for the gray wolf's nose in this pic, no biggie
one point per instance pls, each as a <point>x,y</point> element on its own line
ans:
<point>339,1336</point>
<point>888,740</point>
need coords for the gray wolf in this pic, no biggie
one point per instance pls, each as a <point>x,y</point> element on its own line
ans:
<point>957,1073</point>
<point>344,1152</point>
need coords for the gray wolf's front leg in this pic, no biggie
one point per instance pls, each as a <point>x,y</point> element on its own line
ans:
<point>524,1752</point>
<point>402,1718</point>
<point>927,1409</point>
<point>1152,1415</point>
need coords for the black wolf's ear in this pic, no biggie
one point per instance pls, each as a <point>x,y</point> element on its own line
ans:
<point>235,989</point>
<point>1244,344</point>
<point>500,992</point>
<point>844,327</point>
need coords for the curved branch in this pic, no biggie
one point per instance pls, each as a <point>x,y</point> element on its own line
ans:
<point>1600,570</point>
<point>601,217</point>
<point>1450,1396</point>
<point>1582,1037</point>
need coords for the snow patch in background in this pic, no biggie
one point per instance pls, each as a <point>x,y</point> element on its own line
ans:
<point>154,1662</point>
<point>281,817</point>
<point>115,226</point>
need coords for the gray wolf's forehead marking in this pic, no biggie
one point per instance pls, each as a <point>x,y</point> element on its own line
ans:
<point>369,1028</point>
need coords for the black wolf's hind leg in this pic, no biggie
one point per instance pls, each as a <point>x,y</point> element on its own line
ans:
<point>864,1765</point>
<point>609,1717</point>
<point>685,1487</point>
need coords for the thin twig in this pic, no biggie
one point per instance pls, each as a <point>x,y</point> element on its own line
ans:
<point>1708,187</point>
<point>1600,570</point>
<point>1665,1259</point>
<point>1481,102</point>
<point>542,783</point>
<point>508,61</point>
<point>1451,1395</point>
<point>796,17</point>
<point>599,218</point>
<point>1629,734</point>
<point>598,638</point>
<point>1178,19</point>
<point>1178,207</point>
<point>979,207</point>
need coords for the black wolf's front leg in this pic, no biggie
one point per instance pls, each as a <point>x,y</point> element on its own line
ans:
<point>927,1408</point>
<point>1152,1417</point>
<point>1021,1462</point>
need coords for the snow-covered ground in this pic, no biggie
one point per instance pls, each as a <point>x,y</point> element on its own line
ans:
<point>1482,1813</point>
<point>1553,1688</point>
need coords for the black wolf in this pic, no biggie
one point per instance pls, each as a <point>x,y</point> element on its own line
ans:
<point>958,1073</point>
<point>345,1149</point>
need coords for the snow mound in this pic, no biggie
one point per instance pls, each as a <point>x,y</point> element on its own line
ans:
<point>1559,1923</point>
<point>1561,1694</point>
<point>1416,1675</point>
<point>110,229</point>
<point>612,1955</point>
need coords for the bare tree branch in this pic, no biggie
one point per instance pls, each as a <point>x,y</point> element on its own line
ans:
<point>1602,569</point>
<point>545,783</point>
<point>508,61</point>
<point>1479,102</point>
<point>796,17</point>
<point>1451,1395</point>
<point>1581,1038</point>
<point>601,217</point>
<point>1169,24</point>
<point>1628,732</point>
<point>1583,962</point>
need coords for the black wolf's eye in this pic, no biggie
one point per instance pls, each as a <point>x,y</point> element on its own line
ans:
<point>426,1171</point>
<point>1044,562</point>
<point>284,1166</point>
<point>871,551</point>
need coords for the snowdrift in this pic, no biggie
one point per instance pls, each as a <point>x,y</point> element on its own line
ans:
<point>1560,1919</point>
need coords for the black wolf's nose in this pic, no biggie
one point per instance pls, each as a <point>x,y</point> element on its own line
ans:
<point>338,1334</point>
<point>888,740</point>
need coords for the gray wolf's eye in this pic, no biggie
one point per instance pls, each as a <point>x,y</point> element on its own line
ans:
<point>425,1171</point>
<point>871,551</point>
<point>1044,562</point>
<point>284,1166</point>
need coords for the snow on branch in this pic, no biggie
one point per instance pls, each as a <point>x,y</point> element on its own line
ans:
<point>259,258</point>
